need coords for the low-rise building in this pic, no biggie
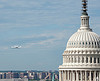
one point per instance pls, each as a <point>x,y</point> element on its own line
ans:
<point>14,79</point>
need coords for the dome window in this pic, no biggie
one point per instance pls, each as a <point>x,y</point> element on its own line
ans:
<point>86,59</point>
<point>82,59</point>
<point>72,59</point>
<point>89,43</point>
<point>95,43</point>
<point>79,60</point>
<point>69,60</point>
<point>94,60</point>
<point>86,43</point>
<point>98,60</point>
<point>75,59</point>
<point>90,59</point>
<point>98,43</point>
<point>92,43</point>
<point>83,43</point>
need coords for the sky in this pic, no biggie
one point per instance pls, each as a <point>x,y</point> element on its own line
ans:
<point>42,29</point>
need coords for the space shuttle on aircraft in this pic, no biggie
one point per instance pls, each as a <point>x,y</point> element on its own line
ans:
<point>16,47</point>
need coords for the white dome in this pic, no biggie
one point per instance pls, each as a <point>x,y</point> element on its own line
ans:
<point>84,39</point>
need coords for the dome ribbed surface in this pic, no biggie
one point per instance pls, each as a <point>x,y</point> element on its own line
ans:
<point>84,39</point>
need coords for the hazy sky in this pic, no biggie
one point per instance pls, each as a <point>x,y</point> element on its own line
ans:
<point>42,28</point>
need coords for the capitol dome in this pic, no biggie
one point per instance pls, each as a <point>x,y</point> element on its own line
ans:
<point>81,58</point>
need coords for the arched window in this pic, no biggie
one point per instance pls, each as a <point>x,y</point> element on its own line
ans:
<point>83,43</point>
<point>75,59</point>
<point>82,59</point>
<point>86,43</point>
<point>72,59</point>
<point>98,44</point>
<point>89,43</point>
<point>92,43</point>
<point>95,43</point>
<point>86,59</point>
<point>98,60</point>
<point>67,59</point>
<point>94,60</point>
<point>90,59</point>
<point>78,59</point>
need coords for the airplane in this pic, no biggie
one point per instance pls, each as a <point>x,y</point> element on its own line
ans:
<point>15,47</point>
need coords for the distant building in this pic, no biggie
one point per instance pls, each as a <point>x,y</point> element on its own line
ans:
<point>0,75</point>
<point>8,75</point>
<point>15,75</point>
<point>43,75</point>
<point>14,79</point>
<point>21,75</point>
<point>36,75</point>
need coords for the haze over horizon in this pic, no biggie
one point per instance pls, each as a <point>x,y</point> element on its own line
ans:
<point>42,29</point>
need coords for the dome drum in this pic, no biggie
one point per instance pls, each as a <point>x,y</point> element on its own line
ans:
<point>81,60</point>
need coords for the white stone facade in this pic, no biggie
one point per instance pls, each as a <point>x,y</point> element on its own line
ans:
<point>81,59</point>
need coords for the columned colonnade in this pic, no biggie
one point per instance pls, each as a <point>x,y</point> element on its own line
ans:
<point>79,75</point>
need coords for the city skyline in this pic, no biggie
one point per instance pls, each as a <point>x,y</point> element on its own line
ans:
<point>30,75</point>
<point>42,29</point>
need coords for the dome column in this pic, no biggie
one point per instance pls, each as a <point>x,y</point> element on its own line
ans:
<point>90,76</point>
<point>92,60</point>
<point>68,75</point>
<point>99,75</point>
<point>81,76</point>
<point>81,59</point>
<point>85,75</point>
<point>94,75</point>
<point>85,59</point>
<point>77,76</point>
<point>64,75</point>
<point>89,59</point>
<point>96,60</point>
<point>73,75</point>
<point>60,78</point>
